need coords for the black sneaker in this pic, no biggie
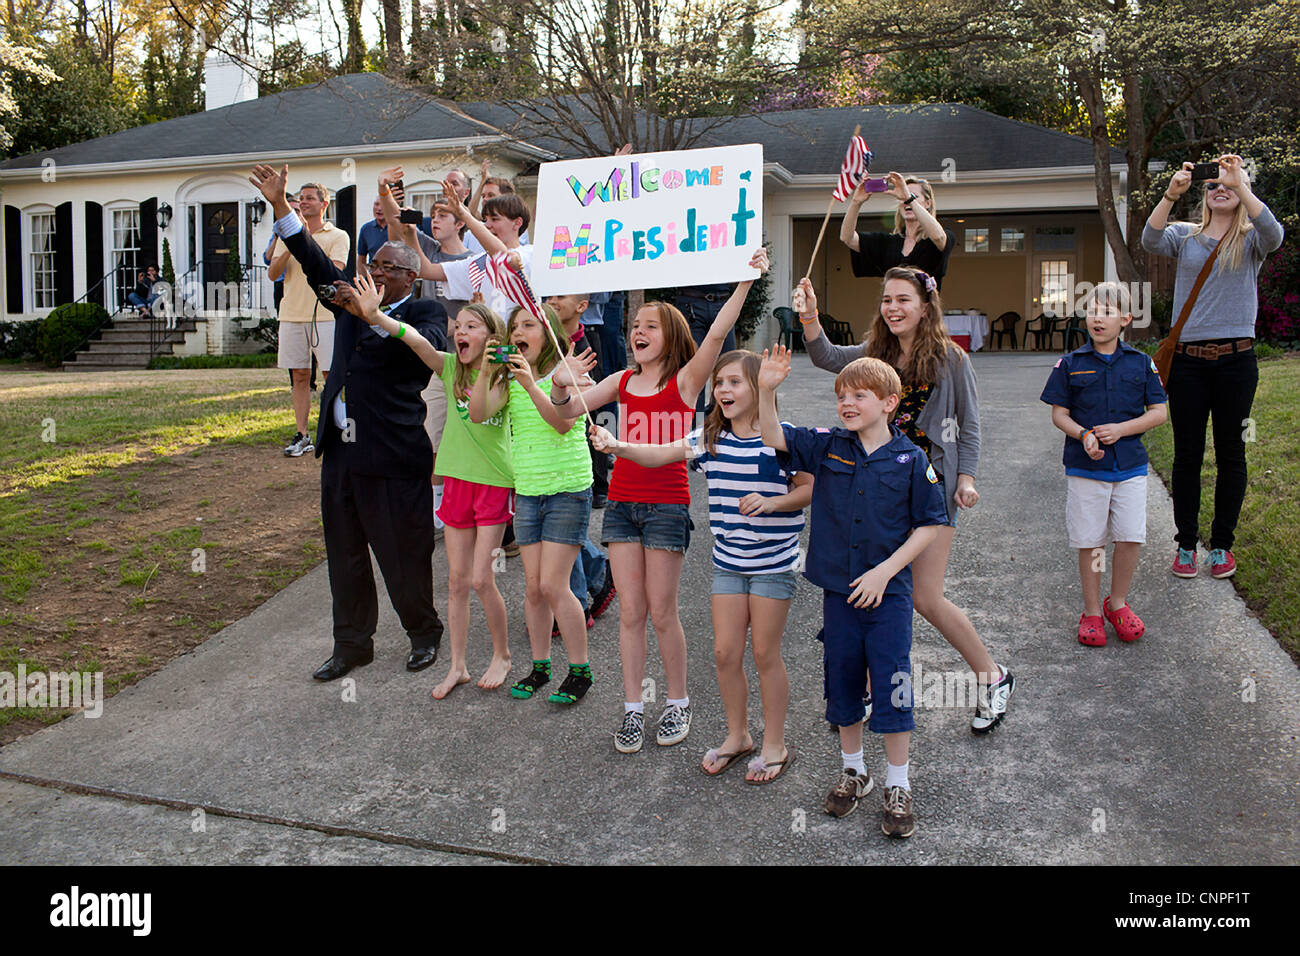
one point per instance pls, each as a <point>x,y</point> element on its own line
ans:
<point>629,737</point>
<point>602,599</point>
<point>991,704</point>
<point>674,725</point>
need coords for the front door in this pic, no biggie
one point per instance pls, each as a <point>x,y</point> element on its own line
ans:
<point>220,239</point>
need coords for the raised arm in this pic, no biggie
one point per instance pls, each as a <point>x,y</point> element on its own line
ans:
<point>773,371</point>
<point>824,353</point>
<point>364,302</point>
<point>602,393</point>
<point>491,244</point>
<point>849,225</point>
<point>696,373</point>
<point>930,227</point>
<point>486,402</point>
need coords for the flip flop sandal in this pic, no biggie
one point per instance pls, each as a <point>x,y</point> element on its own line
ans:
<point>713,756</point>
<point>757,765</point>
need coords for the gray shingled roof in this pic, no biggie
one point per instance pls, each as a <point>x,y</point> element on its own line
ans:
<point>353,110</point>
<point>904,137</point>
<point>367,108</point>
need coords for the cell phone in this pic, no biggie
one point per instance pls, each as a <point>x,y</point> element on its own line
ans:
<point>875,185</point>
<point>500,353</point>
<point>398,190</point>
<point>412,217</point>
<point>1203,171</point>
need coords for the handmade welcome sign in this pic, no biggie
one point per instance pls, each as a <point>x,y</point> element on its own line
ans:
<point>648,220</point>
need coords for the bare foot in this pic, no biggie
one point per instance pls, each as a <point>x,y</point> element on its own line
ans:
<point>449,683</point>
<point>720,755</point>
<point>495,675</point>
<point>766,767</point>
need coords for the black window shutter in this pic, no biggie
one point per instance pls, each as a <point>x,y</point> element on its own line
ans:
<point>63,243</point>
<point>345,211</point>
<point>13,260</point>
<point>148,234</point>
<point>94,252</point>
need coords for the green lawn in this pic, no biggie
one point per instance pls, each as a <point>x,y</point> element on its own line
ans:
<point>108,482</point>
<point>1267,547</point>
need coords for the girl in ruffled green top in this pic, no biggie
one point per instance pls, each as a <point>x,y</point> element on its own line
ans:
<point>552,471</point>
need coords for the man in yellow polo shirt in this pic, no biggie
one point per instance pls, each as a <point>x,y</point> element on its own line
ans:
<point>306,326</point>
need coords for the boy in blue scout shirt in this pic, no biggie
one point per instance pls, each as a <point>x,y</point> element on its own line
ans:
<point>1103,396</point>
<point>876,505</point>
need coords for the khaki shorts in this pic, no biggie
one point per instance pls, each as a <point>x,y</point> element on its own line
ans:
<point>435,397</point>
<point>298,340</point>
<point>1098,512</point>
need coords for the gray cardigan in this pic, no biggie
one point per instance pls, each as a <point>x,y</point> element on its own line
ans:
<point>953,400</point>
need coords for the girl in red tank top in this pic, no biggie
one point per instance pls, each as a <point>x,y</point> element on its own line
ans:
<point>647,520</point>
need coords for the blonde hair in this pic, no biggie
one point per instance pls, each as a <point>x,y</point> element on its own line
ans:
<point>548,358</point>
<point>1108,295</point>
<point>1234,242</point>
<point>927,361</point>
<point>464,370</point>
<point>715,423</point>
<point>900,224</point>
<point>872,374</point>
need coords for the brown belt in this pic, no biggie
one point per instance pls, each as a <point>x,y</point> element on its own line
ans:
<point>1212,352</point>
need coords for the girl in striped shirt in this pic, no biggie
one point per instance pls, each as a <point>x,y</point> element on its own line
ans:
<point>756,515</point>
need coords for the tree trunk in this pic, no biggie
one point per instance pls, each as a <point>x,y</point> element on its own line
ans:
<point>1089,88</point>
<point>354,60</point>
<point>1135,204</point>
<point>393,56</point>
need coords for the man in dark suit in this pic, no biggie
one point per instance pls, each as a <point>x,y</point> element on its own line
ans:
<point>375,491</point>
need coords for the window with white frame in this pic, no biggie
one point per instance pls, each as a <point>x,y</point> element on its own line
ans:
<point>423,198</point>
<point>41,259</point>
<point>125,252</point>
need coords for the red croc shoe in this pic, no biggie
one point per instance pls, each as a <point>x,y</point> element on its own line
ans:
<point>1127,625</point>
<point>1092,630</point>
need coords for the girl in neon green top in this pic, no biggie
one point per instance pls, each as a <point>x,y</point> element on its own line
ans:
<point>475,459</point>
<point>552,469</point>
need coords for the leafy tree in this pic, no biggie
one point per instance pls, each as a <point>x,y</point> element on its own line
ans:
<point>1163,79</point>
<point>21,70</point>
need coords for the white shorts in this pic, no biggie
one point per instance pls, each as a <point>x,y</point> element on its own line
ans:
<point>435,397</point>
<point>1098,512</point>
<point>298,340</point>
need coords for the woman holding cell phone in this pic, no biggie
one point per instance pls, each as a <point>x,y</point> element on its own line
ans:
<point>918,240</point>
<point>1214,372</point>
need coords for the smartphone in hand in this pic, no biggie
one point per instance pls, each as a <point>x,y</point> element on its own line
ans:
<point>1204,171</point>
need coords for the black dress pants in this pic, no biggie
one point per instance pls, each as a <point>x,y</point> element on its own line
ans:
<point>394,518</point>
<point>1200,391</point>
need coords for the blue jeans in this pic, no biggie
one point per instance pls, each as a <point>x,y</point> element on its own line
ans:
<point>588,574</point>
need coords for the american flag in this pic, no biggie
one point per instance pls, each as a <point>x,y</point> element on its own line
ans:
<point>476,273</point>
<point>854,168</point>
<point>513,285</point>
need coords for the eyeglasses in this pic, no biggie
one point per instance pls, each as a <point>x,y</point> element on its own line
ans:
<point>1210,187</point>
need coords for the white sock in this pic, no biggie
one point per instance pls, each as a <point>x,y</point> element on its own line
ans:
<point>853,762</point>
<point>629,707</point>
<point>437,503</point>
<point>684,702</point>
<point>896,776</point>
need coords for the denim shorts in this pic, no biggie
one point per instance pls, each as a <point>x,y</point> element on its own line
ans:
<point>780,585</point>
<point>560,518</point>
<point>666,527</point>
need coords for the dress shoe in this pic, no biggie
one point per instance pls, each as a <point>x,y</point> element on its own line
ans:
<point>336,666</point>
<point>421,657</point>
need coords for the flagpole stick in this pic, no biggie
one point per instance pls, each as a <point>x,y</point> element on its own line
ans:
<point>540,314</point>
<point>827,218</point>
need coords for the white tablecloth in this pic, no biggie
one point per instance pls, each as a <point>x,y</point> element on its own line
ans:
<point>974,324</point>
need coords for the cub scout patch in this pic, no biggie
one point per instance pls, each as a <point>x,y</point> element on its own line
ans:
<point>903,459</point>
<point>1153,367</point>
<point>930,474</point>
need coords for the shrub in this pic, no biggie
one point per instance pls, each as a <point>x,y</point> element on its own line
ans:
<point>20,340</point>
<point>261,360</point>
<point>1278,319</point>
<point>66,328</point>
<point>267,331</point>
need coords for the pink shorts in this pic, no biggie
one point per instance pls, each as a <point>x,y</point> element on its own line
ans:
<point>467,504</point>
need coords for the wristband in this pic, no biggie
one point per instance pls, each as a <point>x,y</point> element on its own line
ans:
<point>1084,434</point>
<point>565,402</point>
<point>384,190</point>
<point>401,329</point>
<point>809,320</point>
<point>1170,199</point>
<point>909,200</point>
